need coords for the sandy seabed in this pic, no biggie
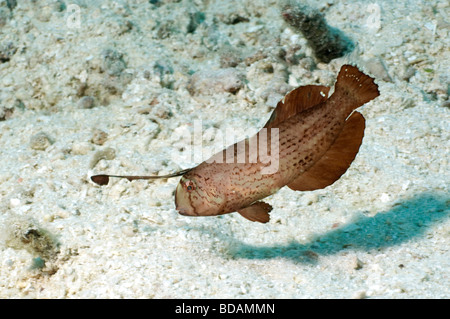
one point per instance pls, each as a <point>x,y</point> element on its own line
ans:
<point>114,86</point>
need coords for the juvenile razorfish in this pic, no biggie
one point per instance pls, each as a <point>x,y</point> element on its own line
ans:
<point>317,139</point>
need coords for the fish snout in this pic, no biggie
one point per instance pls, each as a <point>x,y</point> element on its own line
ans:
<point>184,211</point>
<point>191,200</point>
<point>183,203</point>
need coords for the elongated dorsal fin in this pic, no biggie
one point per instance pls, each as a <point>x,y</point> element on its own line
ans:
<point>296,101</point>
<point>336,160</point>
<point>103,179</point>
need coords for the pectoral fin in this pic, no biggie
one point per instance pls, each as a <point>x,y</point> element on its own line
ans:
<point>336,160</point>
<point>257,212</point>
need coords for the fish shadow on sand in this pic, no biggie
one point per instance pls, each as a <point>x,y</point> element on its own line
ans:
<point>406,220</point>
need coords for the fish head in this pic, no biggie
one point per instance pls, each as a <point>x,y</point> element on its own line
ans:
<point>194,196</point>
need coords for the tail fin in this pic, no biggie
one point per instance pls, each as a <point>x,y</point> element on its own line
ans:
<point>353,84</point>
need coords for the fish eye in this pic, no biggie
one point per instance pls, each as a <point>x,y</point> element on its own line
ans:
<point>189,185</point>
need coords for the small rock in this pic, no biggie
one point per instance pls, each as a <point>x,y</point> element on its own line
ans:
<point>129,230</point>
<point>5,113</point>
<point>407,73</point>
<point>99,137</point>
<point>165,29</point>
<point>195,19</point>
<point>384,198</point>
<point>356,263</point>
<point>18,104</point>
<point>107,154</point>
<point>313,256</point>
<point>40,141</point>
<point>233,17</point>
<point>161,111</point>
<point>7,50</point>
<point>37,263</point>
<point>86,102</point>
<point>44,13</point>
<point>81,148</point>
<point>163,70</point>
<point>266,66</point>
<point>307,63</point>
<point>113,62</point>
<point>125,78</point>
<point>259,55</point>
<point>408,102</point>
<point>229,58</point>
<point>23,233</point>
<point>378,69</point>
<point>291,56</point>
<point>14,202</point>
<point>49,218</point>
<point>163,67</point>
<point>210,82</point>
<point>439,87</point>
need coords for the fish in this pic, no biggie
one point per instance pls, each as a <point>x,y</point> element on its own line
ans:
<point>311,137</point>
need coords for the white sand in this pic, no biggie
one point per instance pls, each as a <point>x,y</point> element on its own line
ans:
<point>381,231</point>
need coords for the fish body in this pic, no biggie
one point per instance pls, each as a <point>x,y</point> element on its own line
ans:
<point>309,141</point>
<point>317,138</point>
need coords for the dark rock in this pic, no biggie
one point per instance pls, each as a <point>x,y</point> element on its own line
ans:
<point>328,43</point>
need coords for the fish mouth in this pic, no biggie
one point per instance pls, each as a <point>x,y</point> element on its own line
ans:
<point>184,212</point>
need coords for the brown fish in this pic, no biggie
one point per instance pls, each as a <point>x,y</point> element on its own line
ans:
<point>311,138</point>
